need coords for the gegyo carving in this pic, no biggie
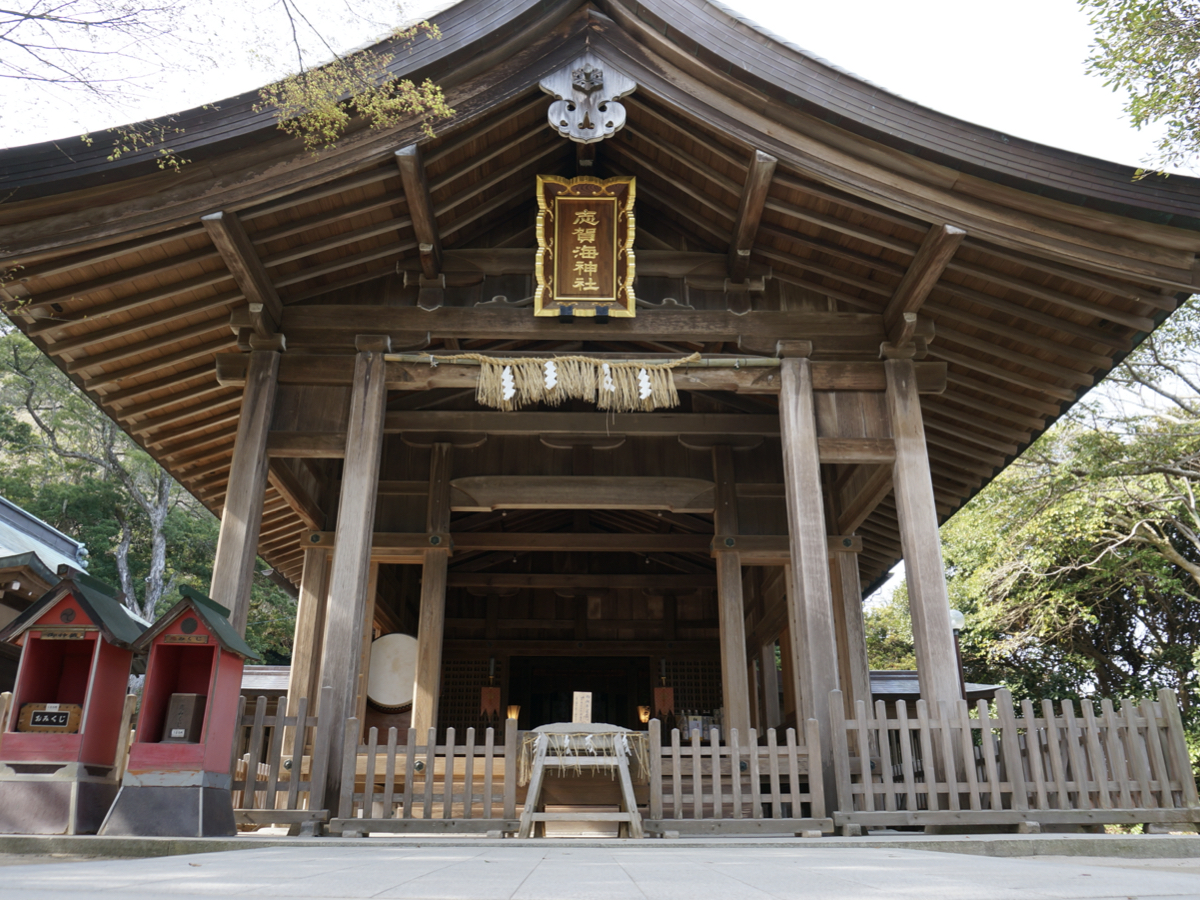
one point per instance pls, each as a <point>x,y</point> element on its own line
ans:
<point>588,89</point>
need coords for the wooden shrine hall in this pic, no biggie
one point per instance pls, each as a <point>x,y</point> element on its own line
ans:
<point>855,311</point>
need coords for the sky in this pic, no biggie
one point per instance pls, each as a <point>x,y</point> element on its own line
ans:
<point>1016,66</point>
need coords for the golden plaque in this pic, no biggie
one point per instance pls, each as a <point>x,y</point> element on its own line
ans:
<point>585,261</point>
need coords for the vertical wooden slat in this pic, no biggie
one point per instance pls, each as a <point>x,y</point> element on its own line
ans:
<point>124,736</point>
<point>410,761</point>
<point>1135,750</point>
<point>697,777</point>
<point>1011,747</point>
<point>816,786</point>
<point>714,747</point>
<point>1116,753</point>
<point>256,744</point>
<point>369,778</point>
<point>1077,758</point>
<point>735,772</point>
<point>1055,748</point>
<point>448,776</point>
<point>469,774</point>
<point>988,745</point>
<point>841,753</point>
<point>489,765</point>
<point>275,756</point>
<point>1096,754</point>
<point>929,762</point>
<point>299,736</point>
<point>510,768</point>
<point>1158,764</point>
<point>389,776</point>
<point>885,756</point>
<point>349,759</point>
<point>241,737</point>
<point>967,747</point>
<point>794,772</point>
<point>430,767</point>
<point>864,753</point>
<point>906,760</point>
<point>773,773</point>
<point>1033,746</point>
<point>1178,748</point>
<point>755,785</point>
<point>676,776</point>
<point>656,803</point>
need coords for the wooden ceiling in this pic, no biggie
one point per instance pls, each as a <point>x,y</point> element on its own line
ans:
<point>1066,266</point>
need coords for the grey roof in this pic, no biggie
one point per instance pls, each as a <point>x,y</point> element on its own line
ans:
<point>103,605</point>
<point>21,533</point>
<point>904,682</point>
<point>214,615</point>
<point>265,678</point>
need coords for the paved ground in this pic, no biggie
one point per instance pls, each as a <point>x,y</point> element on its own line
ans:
<point>656,872</point>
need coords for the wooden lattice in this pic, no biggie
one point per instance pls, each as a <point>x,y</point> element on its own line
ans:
<point>458,707</point>
<point>697,683</point>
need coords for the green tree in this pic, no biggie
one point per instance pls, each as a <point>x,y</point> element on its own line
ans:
<point>1150,49</point>
<point>69,464</point>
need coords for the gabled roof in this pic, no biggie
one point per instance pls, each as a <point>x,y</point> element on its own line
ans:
<point>214,616</point>
<point>21,533</point>
<point>102,604</point>
<point>1067,265</point>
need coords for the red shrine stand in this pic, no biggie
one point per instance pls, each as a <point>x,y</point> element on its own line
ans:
<point>178,779</point>
<point>59,755</point>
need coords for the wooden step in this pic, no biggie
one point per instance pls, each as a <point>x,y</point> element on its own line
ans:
<point>582,817</point>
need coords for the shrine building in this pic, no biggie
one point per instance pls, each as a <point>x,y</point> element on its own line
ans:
<point>639,373</point>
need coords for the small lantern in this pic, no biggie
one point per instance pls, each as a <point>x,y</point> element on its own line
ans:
<point>644,714</point>
<point>62,752</point>
<point>178,779</point>
<point>514,711</point>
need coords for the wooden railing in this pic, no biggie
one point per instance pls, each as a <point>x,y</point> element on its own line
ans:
<point>280,763</point>
<point>1047,765</point>
<point>736,786</point>
<point>414,787</point>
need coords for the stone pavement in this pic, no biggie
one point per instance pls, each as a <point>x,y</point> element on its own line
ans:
<point>561,872</point>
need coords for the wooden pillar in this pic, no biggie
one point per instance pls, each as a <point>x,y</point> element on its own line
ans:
<point>304,678</point>
<point>810,602</point>
<point>368,635</point>
<point>928,599</point>
<point>241,519</point>
<point>854,675</point>
<point>769,673</point>
<point>731,612</point>
<point>432,625</point>
<point>352,553</point>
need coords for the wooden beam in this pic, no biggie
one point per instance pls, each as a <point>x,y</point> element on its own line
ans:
<point>420,208</point>
<point>431,626</point>
<point>916,510</point>
<point>229,237</point>
<point>241,519</point>
<point>567,581</point>
<point>352,554</point>
<point>488,492</point>
<point>941,241</point>
<point>731,613</point>
<point>306,444</point>
<point>288,486</point>
<point>304,675</point>
<point>813,643</point>
<point>750,210</point>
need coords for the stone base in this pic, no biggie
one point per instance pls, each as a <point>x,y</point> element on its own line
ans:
<point>51,805</point>
<point>171,811</point>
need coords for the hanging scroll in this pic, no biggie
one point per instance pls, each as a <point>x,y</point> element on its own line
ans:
<point>585,261</point>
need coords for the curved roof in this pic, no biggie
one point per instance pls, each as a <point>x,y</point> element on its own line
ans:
<point>1066,266</point>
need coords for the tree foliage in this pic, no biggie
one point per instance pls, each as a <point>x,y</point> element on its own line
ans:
<point>1150,49</point>
<point>67,463</point>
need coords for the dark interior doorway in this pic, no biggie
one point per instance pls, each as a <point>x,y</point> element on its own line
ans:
<point>544,687</point>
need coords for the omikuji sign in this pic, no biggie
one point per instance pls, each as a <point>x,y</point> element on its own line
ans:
<point>585,261</point>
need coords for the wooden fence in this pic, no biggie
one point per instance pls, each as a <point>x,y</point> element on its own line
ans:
<point>1047,765</point>
<point>411,787</point>
<point>735,787</point>
<point>279,766</point>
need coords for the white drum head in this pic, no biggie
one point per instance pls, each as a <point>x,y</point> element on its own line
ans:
<point>393,668</point>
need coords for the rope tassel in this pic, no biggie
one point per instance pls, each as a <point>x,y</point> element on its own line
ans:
<point>613,385</point>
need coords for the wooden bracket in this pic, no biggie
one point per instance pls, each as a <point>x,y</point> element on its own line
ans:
<point>420,209</point>
<point>276,342</point>
<point>750,209</point>
<point>373,343</point>
<point>793,349</point>
<point>934,254</point>
<point>229,236</point>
